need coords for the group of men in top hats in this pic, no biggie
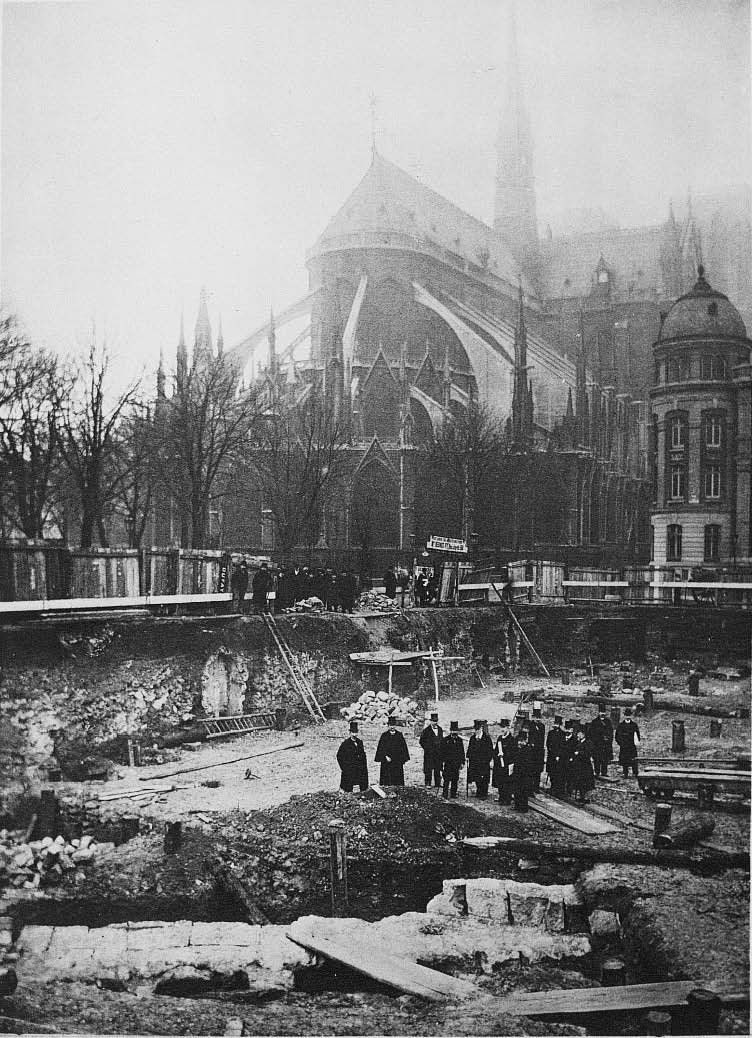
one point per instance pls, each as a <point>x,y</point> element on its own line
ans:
<point>572,755</point>
<point>391,753</point>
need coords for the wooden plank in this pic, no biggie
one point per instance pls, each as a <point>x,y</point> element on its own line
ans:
<point>223,763</point>
<point>377,962</point>
<point>570,816</point>
<point>622,998</point>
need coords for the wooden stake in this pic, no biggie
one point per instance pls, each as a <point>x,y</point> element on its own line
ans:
<point>662,820</point>
<point>657,1022</point>
<point>686,835</point>
<point>222,763</point>
<point>716,728</point>
<point>701,1015</point>
<point>131,758</point>
<point>613,972</point>
<point>338,867</point>
<point>677,736</point>
<point>173,837</point>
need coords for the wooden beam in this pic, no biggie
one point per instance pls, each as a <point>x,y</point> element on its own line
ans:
<point>377,962</point>
<point>622,998</point>
<point>222,763</point>
<point>571,816</point>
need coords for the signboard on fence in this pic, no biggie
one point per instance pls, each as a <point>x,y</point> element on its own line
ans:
<point>447,544</point>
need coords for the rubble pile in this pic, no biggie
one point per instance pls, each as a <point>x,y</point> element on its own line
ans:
<point>375,602</point>
<point>45,861</point>
<point>377,706</point>
<point>313,604</point>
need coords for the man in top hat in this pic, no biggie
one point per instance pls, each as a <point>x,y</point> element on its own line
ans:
<point>524,771</point>
<point>538,738</point>
<point>569,741</point>
<point>351,757</point>
<point>430,742</point>
<point>628,739</point>
<point>479,756</point>
<point>601,735</point>
<point>556,757</point>
<point>452,760</point>
<point>504,756</point>
<point>392,753</point>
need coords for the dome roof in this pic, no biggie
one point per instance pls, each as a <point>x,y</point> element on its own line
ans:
<point>702,312</point>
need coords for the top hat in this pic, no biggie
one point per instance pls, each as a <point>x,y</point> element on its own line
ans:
<point>434,717</point>
<point>477,724</point>
<point>601,708</point>
<point>558,719</point>
<point>504,722</point>
<point>391,721</point>
<point>523,713</point>
<point>627,711</point>
<point>569,723</point>
<point>454,726</point>
<point>353,726</point>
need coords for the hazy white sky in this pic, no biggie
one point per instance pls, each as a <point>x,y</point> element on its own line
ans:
<point>152,147</point>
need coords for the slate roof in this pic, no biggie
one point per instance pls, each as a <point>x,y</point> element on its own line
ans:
<point>389,199</point>
<point>632,256</point>
<point>702,312</point>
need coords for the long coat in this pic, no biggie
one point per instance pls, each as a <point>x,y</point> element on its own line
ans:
<point>262,580</point>
<point>430,743</point>
<point>351,757</point>
<point>601,734</point>
<point>452,751</point>
<point>393,746</point>
<point>538,739</point>
<point>627,734</point>
<point>505,751</point>
<point>525,774</point>
<point>479,755</point>
<point>557,756</point>
<point>581,776</point>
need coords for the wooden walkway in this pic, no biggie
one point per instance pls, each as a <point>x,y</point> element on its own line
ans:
<point>377,962</point>
<point>625,998</point>
<point>571,816</point>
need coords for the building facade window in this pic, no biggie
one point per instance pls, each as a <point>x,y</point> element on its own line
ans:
<point>714,431</point>
<point>677,426</point>
<point>677,369</point>
<point>677,482</point>
<point>713,482</point>
<point>673,542</point>
<point>712,366</point>
<point>712,542</point>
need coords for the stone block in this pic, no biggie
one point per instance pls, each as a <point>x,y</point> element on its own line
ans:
<point>604,926</point>
<point>485,899</point>
<point>554,919</point>
<point>67,937</point>
<point>528,902</point>
<point>75,963</point>
<point>109,947</point>
<point>34,941</point>
<point>451,901</point>
<point>149,937</point>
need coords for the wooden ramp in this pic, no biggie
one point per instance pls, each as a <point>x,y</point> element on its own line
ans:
<point>572,817</point>
<point>376,961</point>
<point>625,998</point>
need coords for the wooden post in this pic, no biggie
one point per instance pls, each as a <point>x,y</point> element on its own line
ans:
<point>677,736</point>
<point>131,758</point>
<point>389,680</point>
<point>715,729</point>
<point>129,826</point>
<point>615,715</point>
<point>565,677</point>
<point>705,796</point>
<point>686,835</point>
<point>662,822</point>
<point>137,754</point>
<point>701,1015</point>
<point>647,700</point>
<point>173,837</point>
<point>657,1022</point>
<point>613,973</point>
<point>338,867</point>
<point>435,675</point>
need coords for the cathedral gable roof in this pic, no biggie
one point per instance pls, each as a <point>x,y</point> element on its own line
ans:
<point>632,257</point>
<point>390,200</point>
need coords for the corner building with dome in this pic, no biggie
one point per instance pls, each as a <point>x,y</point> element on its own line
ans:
<point>701,436</point>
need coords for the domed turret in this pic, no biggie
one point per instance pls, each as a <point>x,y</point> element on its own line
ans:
<point>702,312</point>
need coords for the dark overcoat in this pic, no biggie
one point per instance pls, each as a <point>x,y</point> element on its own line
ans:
<point>627,734</point>
<point>505,751</point>
<point>351,757</point>
<point>393,746</point>
<point>430,743</point>
<point>601,735</point>
<point>479,755</point>
<point>581,775</point>
<point>525,774</point>
<point>452,751</point>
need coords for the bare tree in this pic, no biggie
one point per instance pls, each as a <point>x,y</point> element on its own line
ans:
<point>14,353</point>
<point>89,417</point>
<point>465,455</point>
<point>299,459</point>
<point>204,431</point>
<point>136,469</point>
<point>29,419</point>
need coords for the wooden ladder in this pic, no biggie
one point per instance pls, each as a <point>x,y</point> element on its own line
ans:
<point>217,727</point>
<point>299,680</point>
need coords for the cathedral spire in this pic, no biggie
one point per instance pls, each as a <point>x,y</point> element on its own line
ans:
<point>203,341</point>
<point>272,339</point>
<point>581,386</point>
<point>181,366</point>
<point>161,376</point>
<point>521,413</point>
<point>220,339</point>
<point>515,216</point>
